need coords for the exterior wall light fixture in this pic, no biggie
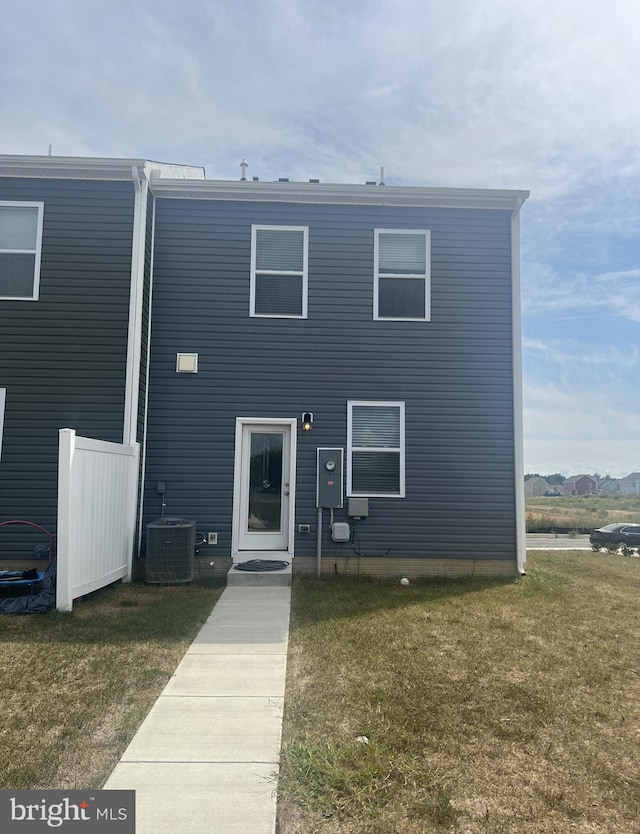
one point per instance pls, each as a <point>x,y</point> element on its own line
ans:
<point>307,421</point>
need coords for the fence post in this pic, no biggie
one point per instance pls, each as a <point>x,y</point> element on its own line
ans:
<point>66,450</point>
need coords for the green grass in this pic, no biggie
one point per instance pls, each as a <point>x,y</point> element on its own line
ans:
<point>489,706</point>
<point>76,686</point>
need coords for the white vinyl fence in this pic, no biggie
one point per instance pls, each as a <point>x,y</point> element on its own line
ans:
<point>97,484</point>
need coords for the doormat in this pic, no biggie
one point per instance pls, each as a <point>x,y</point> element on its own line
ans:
<point>261,565</point>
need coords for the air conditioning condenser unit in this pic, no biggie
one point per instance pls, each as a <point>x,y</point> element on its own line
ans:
<point>171,544</point>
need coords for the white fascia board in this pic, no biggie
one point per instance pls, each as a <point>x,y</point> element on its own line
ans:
<point>90,168</point>
<point>294,192</point>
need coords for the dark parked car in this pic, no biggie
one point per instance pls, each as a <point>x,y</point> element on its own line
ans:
<point>628,534</point>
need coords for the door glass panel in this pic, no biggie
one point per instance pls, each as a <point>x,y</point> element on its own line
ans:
<point>265,482</point>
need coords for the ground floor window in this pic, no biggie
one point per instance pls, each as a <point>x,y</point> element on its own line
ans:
<point>375,442</point>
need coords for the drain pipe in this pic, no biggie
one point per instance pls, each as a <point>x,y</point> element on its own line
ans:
<point>319,544</point>
<point>136,297</point>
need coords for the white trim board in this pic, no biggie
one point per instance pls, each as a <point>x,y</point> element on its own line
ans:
<point>3,400</point>
<point>518,406</point>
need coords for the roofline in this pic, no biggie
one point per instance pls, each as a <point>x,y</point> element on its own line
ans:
<point>188,182</point>
<point>334,193</point>
<point>90,168</point>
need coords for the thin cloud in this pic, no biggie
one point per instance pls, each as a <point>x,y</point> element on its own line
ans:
<point>556,413</point>
<point>586,356</point>
<point>546,291</point>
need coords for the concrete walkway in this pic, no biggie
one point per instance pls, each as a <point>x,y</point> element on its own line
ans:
<point>206,758</point>
<point>557,541</point>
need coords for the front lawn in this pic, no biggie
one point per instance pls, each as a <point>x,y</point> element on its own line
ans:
<point>510,707</point>
<point>75,687</point>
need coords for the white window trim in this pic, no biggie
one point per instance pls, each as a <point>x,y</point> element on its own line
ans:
<point>3,399</point>
<point>426,277</point>
<point>350,449</point>
<point>304,274</point>
<point>37,251</point>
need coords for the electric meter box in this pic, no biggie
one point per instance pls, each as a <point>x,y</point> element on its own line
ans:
<point>329,482</point>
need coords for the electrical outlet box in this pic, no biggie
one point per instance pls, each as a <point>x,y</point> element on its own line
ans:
<point>212,538</point>
<point>304,528</point>
<point>340,531</point>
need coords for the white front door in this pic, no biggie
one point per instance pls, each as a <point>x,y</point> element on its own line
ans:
<point>263,487</point>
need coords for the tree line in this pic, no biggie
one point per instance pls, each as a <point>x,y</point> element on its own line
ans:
<point>558,478</point>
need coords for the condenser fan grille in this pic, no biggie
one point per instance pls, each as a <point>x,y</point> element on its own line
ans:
<point>170,552</point>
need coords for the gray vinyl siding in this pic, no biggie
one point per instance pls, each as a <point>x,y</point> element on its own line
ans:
<point>64,356</point>
<point>454,372</point>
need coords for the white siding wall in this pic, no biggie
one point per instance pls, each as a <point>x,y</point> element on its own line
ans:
<point>97,484</point>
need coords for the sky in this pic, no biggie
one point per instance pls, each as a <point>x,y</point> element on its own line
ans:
<point>526,94</point>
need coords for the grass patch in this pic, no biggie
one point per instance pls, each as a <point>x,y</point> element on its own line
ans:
<point>76,686</point>
<point>488,705</point>
<point>580,512</point>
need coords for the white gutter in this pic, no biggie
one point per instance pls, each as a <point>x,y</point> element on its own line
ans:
<point>338,193</point>
<point>143,467</point>
<point>518,407</point>
<point>91,168</point>
<point>132,381</point>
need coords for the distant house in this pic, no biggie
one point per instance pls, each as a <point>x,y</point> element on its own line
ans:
<point>580,485</point>
<point>610,486</point>
<point>535,487</point>
<point>631,484</point>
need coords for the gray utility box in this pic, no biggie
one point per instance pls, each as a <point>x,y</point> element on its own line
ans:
<point>329,478</point>
<point>358,507</point>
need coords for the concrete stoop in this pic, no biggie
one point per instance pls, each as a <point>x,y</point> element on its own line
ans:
<point>247,578</point>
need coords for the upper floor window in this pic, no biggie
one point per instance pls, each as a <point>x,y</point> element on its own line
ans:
<point>402,263</point>
<point>20,245</point>
<point>279,271</point>
<point>375,449</point>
